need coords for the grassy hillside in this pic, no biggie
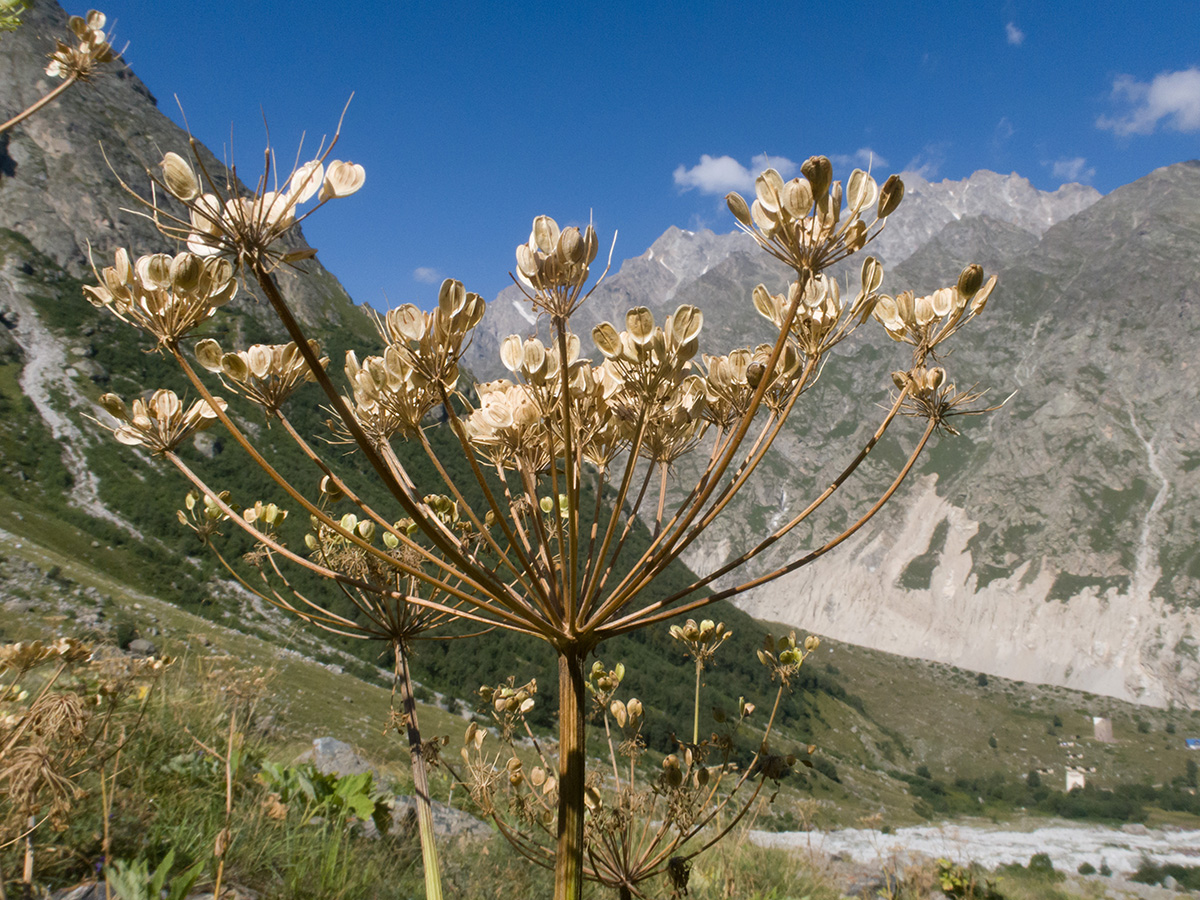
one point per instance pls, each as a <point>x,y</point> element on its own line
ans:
<point>910,739</point>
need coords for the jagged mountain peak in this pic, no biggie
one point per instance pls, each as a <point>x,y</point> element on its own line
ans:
<point>930,206</point>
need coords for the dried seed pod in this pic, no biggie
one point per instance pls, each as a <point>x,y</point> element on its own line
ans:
<point>342,179</point>
<point>890,196</point>
<point>797,198</point>
<point>819,172</point>
<point>180,179</point>
<point>617,708</point>
<point>571,246</point>
<point>544,235</point>
<point>769,188</point>
<point>764,303</point>
<point>980,299</point>
<point>511,353</point>
<point>970,280</point>
<point>307,180</point>
<point>861,191</point>
<point>639,321</point>
<point>737,205</point>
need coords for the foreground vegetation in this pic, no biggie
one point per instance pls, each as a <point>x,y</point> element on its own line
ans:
<point>288,832</point>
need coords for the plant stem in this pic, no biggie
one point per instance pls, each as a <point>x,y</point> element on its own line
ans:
<point>696,706</point>
<point>429,857</point>
<point>27,874</point>
<point>22,116</point>
<point>568,863</point>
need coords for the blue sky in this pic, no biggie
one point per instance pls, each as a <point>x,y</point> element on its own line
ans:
<point>472,118</point>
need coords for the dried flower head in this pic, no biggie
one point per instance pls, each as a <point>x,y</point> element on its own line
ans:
<point>811,222</point>
<point>159,424</point>
<point>701,641</point>
<point>205,517</point>
<point>163,295</point>
<point>783,657</point>
<point>925,322</point>
<point>266,374</point>
<point>553,264</point>
<point>78,61</point>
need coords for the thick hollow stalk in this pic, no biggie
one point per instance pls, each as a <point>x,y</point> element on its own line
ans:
<point>568,864</point>
<point>429,857</point>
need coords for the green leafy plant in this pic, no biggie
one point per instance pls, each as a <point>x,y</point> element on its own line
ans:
<point>963,882</point>
<point>326,794</point>
<point>134,880</point>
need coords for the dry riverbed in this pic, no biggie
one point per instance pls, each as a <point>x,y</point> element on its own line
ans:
<point>1068,845</point>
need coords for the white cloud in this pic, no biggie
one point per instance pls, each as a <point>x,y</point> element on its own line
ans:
<point>862,158</point>
<point>426,275</point>
<point>1075,169</point>
<point>1004,130</point>
<point>1015,35</point>
<point>722,174</point>
<point>928,163</point>
<point>1172,98</point>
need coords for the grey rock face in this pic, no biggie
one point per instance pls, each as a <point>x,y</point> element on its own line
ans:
<point>332,756</point>
<point>142,647</point>
<point>56,186</point>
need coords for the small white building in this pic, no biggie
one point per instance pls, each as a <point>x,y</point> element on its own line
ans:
<point>1075,779</point>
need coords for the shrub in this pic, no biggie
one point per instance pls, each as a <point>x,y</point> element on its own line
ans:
<point>1150,872</point>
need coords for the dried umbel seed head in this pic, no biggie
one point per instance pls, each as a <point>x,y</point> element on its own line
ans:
<point>266,374</point>
<point>205,517</point>
<point>160,424</point>
<point>24,655</point>
<point>701,640</point>
<point>604,681</point>
<point>247,227</point>
<point>802,222</point>
<point>925,322</point>
<point>163,295</point>
<point>80,60</point>
<point>783,657</point>
<point>554,264</point>
<point>267,514</point>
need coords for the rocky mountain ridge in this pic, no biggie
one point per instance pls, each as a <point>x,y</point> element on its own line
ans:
<point>1053,540</point>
